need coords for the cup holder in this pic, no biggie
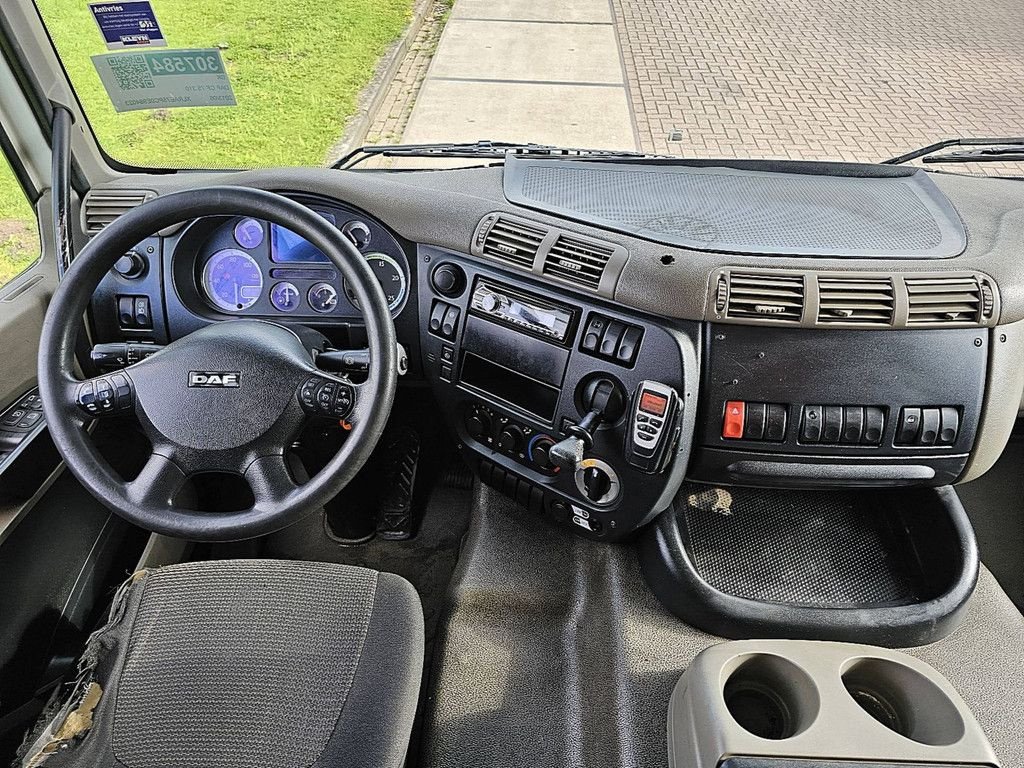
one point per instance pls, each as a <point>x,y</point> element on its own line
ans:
<point>904,701</point>
<point>770,697</point>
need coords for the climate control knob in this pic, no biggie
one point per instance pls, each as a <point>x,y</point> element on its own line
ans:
<point>511,439</point>
<point>539,452</point>
<point>478,424</point>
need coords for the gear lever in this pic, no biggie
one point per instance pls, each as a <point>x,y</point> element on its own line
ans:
<point>605,402</point>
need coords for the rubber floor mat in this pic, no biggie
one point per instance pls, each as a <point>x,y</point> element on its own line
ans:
<point>809,548</point>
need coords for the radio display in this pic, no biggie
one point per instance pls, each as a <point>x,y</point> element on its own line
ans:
<point>286,247</point>
<point>526,312</point>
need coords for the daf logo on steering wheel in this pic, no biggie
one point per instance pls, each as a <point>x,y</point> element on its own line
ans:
<point>213,378</point>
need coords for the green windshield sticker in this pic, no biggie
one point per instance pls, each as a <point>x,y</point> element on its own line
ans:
<point>167,78</point>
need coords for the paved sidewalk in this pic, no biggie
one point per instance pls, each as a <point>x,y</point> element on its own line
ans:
<point>821,79</point>
<point>526,70</point>
<point>800,79</point>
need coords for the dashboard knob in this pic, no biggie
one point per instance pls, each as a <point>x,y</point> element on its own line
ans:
<point>478,424</point>
<point>448,280</point>
<point>539,452</point>
<point>489,302</point>
<point>358,233</point>
<point>511,439</point>
<point>130,266</point>
<point>596,483</point>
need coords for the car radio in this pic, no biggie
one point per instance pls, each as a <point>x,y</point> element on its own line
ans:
<point>523,311</point>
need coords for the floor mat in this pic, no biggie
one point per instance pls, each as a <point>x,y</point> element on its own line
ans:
<point>556,653</point>
<point>818,548</point>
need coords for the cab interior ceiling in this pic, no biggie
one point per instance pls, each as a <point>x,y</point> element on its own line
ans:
<point>807,380</point>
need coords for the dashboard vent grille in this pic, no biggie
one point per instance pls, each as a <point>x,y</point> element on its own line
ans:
<point>103,207</point>
<point>855,300</point>
<point>577,261</point>
<point>943,300</point>
<point>514,242</point>
<point>765,297</point>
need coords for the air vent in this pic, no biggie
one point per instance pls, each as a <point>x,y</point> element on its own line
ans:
<point>943,300</point>
<point>577,261</point>
<point>855,301</point>
<point>514,242</point>
<point>765,297</point>
<point>103,206</point>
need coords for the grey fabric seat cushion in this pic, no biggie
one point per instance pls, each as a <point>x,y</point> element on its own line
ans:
<point>247,663</point>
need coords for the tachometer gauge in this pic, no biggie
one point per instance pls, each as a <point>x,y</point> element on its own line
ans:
<point>323,297</point>
<point>390,276</point>
<point>232,280</point>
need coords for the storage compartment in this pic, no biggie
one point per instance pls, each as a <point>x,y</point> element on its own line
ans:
<point>892,567</point>
<point>790,703</point>
<point>527,394</point>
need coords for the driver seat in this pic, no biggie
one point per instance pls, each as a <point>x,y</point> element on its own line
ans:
<point>245,663</point>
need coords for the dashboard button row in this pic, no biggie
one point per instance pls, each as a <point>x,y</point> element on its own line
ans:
<point>754,421</point>
<point>611,339</point>
<point>921,425</point>
<point>444,320</point>
<point>846,424</point>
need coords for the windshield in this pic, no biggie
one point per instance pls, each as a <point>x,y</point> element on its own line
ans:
<point>301,82</point>
<point>296,69</point>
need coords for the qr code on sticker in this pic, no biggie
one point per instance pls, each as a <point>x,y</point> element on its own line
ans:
<point>131,72</point>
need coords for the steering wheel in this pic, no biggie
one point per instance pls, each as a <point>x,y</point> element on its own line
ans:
<point>229,397</point>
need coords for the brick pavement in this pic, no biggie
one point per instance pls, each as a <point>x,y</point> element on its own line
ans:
<point>798,79</point>
<point>820,79</point>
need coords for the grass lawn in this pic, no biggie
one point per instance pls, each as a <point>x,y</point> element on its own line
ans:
<point>19,237</point>
<point>296,66</point>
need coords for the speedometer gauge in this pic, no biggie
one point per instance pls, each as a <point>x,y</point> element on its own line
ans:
<point>390,276</point>
<point>232,280</point>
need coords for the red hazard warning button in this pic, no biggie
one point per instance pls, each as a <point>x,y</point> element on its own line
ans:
<point>732,427</point>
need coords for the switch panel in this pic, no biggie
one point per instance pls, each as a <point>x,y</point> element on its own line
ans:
<point>444,320</point>
<point>611,340</point>
<point>134,313</point>
<point>928,425</point>
<point>755,421</point>
<point>842,425</point>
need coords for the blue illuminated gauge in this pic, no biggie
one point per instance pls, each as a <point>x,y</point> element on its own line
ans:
<point>323,297</point>
<point>232,280</point>
<point>390,276</point>
<point>285,297</point>
<point>249,233</point>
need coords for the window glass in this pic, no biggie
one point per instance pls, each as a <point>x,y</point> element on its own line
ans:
<point>296,68</point>
<point>19,230</point>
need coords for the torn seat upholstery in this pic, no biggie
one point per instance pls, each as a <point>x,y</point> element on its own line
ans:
<point>246,663</point>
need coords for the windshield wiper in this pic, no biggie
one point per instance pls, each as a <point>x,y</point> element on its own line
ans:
<point>480,149</point>
<point>987,150</point>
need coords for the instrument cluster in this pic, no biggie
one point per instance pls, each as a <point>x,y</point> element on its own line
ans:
<point>250,267</point>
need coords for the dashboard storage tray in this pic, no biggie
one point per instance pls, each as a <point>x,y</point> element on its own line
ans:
<point>892,567</point>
